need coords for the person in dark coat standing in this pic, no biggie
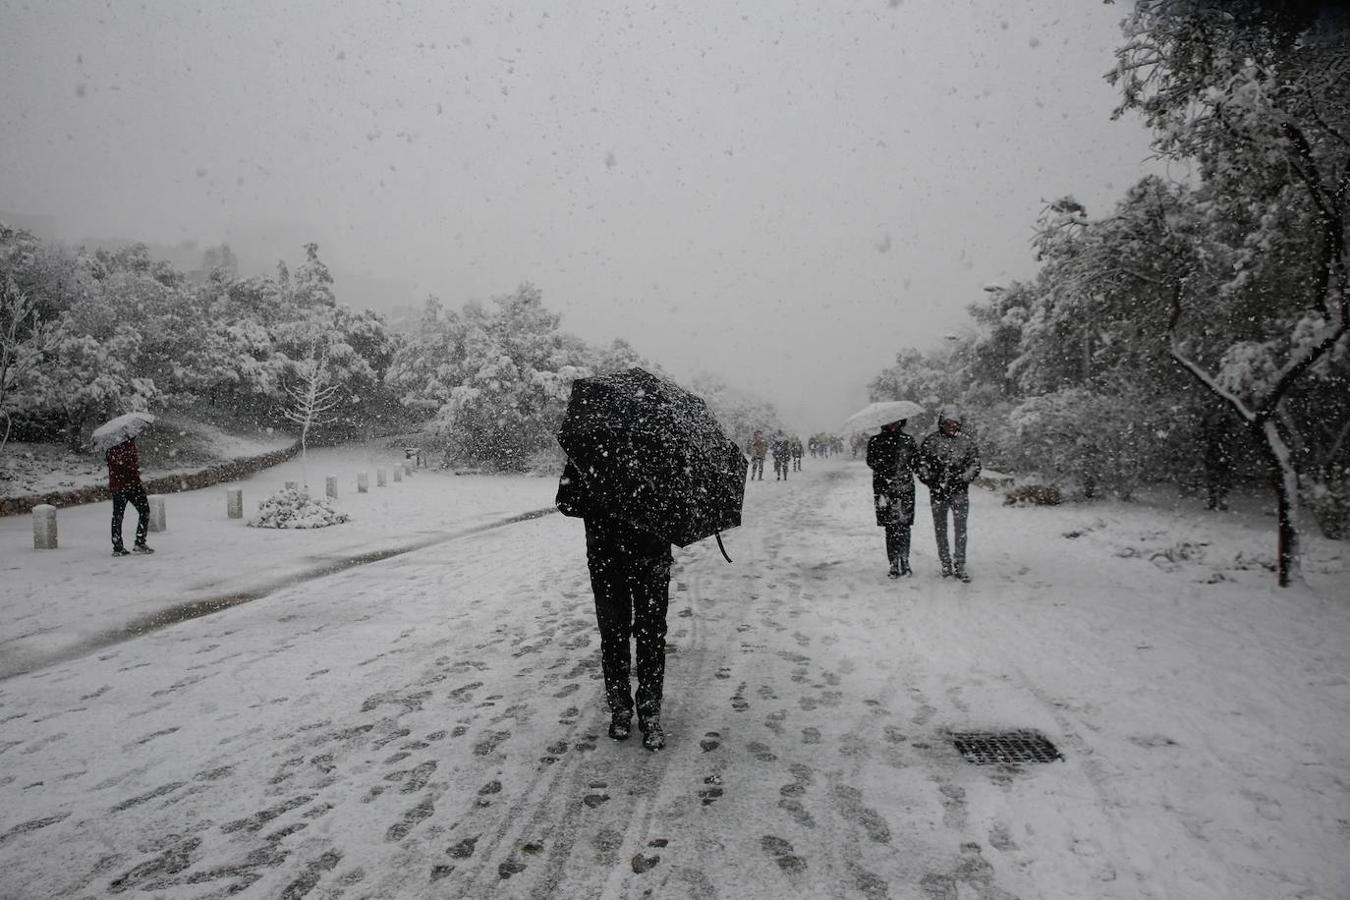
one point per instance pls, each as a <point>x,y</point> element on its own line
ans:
<point>630,578</point>
<point>124,480</point>
<point>891,456</point>
<point>949,461</point>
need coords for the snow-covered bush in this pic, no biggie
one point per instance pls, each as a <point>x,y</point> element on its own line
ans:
<point>292,508</point>
<point>1101,442</point>
<point>1330,504</point>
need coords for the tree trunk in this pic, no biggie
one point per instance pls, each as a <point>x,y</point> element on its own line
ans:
<point>1286,490</point>
<point>74,428</point>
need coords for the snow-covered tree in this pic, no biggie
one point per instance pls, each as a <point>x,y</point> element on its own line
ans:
<point>1257,97</point>
<point>927,378</point>
<point>313,396</point>
<point>739,412</point>
<point>23,341</point>
<point>499,376</point>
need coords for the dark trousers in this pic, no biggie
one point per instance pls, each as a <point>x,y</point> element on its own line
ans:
<point>897,545</point>
<point>757,467</point>
<point>958,504</point>
<point>630,577</point>
<point>136,497</point>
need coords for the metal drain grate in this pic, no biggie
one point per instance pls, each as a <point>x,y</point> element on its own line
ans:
<point>992,748</point>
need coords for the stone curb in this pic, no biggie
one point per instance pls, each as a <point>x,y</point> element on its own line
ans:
<point>164,484</point>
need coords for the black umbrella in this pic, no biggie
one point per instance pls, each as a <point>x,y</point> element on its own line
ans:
<point>651,453</point>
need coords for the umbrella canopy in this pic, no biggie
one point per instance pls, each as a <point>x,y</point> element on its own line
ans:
<point>651,453</point>
<point>873,416</point>
<point>115,431</point>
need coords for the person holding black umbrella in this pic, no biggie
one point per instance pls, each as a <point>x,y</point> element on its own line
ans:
<point>630,577</point>
<point>648,466</point>
<point>891,457</point>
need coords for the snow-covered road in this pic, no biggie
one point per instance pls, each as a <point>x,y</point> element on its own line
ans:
<point>432,725</point>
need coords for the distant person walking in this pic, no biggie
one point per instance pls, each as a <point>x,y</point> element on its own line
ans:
<point>796,448</point>
<point>948,462</point>
<point>891,455</point>
<point>782,453</point>
<point>124,480</point>
<point>759,448</point>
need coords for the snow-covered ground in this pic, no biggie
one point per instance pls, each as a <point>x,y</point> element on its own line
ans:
<point>431,724</point>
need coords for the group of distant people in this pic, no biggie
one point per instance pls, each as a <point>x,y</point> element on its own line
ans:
<point>946,462</point>
<point>786,452</point>
<point>824,446</point>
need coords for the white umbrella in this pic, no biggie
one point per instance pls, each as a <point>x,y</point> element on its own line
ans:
<point>115,431</point>
<point>875,415</point>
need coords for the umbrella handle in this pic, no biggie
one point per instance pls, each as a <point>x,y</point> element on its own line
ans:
<point>720,547</point>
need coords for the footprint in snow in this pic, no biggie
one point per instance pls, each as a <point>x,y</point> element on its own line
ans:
<point>463,849</point>
<point>782,852</point>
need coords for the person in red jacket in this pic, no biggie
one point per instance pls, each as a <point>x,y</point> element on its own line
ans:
<point>124,480</point>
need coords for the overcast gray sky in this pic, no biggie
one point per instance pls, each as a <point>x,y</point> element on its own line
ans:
<point>784,193</point>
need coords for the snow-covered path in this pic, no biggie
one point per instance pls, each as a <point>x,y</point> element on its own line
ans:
<point>432,725</point>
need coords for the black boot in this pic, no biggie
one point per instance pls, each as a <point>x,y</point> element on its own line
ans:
<point>894,570</point>
<point>621,725</point>
<point>653,737</point>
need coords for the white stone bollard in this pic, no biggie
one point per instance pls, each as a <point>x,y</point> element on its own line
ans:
<point>44,527</point>
<point>292,485</point>
<point>362,483</point>
<point>330,487</point>
<point>157,514</point>
<point>234,503</point>
<point>379,477</point>
<point>398,473</point>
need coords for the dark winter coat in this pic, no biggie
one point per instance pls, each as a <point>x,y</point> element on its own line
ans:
<point>891,456</point>
<point>948,464</point>
<point>124,466</point>
<point>758,447</point>
<point>576,499</point>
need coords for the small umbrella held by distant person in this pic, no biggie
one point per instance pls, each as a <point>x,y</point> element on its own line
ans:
<point>873,416</point>
<point>115,431</point>
<point>651,453</point>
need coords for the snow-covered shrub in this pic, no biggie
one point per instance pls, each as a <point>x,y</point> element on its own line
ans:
<point>292,508</point>
<point>1102,442</point>
<point>1330,504</point>
<point>1032,495</point>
